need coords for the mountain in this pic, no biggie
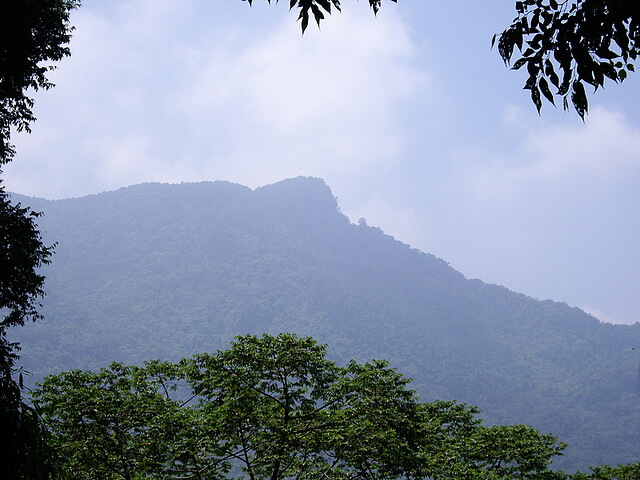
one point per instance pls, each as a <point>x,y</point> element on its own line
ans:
<point>167,271</point>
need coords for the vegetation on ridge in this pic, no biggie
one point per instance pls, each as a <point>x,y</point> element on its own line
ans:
<point>165,271</point>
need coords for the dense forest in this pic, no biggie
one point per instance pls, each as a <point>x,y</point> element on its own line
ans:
<point>160,271</point>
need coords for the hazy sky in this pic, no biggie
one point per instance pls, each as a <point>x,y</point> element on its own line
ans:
<point>410,118</point>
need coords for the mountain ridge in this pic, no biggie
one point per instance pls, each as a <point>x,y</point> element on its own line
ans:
<point>166,271</point>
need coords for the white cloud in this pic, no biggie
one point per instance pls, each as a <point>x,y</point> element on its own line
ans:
<point>209,100</point>
<point>604,149</point>
<point>607,145</point>
<point>320,105</point>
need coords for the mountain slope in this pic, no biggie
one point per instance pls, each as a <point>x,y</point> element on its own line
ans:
<point>166,271</point>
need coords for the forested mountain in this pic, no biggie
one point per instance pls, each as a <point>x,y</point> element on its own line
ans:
<point>167,271</point>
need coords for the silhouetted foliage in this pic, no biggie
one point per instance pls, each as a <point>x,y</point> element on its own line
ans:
<point>567,44</point>
<point>33,34</point>
<point>22,253</point>
<point>318,8</point>
<point>24,454</point>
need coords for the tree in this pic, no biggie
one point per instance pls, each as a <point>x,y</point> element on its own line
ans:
<point>120,422</point>
<point>33,33</point>
<point>24,453</point>
<point>514,451</point>
<point>286,410</point>
<point>606,472</point>
<point>21,254</point>
<point>274,407</point>
<point>567,44</point>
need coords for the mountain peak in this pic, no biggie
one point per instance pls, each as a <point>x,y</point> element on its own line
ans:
<point>166,271</point>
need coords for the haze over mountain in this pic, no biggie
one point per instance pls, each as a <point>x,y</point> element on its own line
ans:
<point>167,271</point>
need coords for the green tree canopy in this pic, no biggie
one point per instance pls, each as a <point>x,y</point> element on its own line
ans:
<point>274,407</point>
<point>606,472</point>
<point>122,422</point>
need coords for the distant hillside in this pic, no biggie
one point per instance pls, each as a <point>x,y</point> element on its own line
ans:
<point>166,271</point>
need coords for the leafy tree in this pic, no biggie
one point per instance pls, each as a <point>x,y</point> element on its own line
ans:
<point>120,422</point>
<point>286,411</point>
<point>24,453</point>
<point>567,44</point>
<point>514,451</point>
<point>274,407</point>
<point>459,447</point>
<point>606,472</point>
<point>33,33</point>
<point>21,254</point>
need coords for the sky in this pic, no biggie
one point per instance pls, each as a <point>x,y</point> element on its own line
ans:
<point>410,118</point>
